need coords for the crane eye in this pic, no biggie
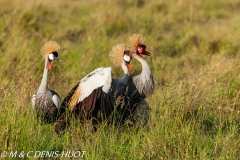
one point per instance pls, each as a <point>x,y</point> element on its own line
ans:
<point>51,56</point>
<point>55,54</point>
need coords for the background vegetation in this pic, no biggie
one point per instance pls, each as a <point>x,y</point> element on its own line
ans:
<point>195,61</point>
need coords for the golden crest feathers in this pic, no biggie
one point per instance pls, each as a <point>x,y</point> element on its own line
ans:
<point>49,47</point>
<point>116,54</point>
<point>135,40</point>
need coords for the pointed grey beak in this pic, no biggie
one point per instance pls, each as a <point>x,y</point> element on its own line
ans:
<point>146,53</point>
<point>56,58</point>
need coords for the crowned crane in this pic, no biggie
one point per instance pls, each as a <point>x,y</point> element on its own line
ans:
<point>144,82</point>
<point>95,95</point>
<point>140,86</point>
<point>46,101</point>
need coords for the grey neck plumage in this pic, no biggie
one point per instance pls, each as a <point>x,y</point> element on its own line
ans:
<point>144,82</point>
<point>44,86</point>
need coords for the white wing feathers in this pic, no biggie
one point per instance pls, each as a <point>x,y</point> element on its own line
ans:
<point>100,77</point>
<point>56,101</point>
<point>33,101</point>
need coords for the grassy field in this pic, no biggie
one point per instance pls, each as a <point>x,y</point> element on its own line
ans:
<point>195,46</point>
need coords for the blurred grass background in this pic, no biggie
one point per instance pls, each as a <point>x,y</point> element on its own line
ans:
<point>195,62</point>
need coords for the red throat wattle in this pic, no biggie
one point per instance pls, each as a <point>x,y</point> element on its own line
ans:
<point>48,65</point>
<point>128,66</point>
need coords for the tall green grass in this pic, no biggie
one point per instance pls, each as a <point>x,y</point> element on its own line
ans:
<point>195,62</point>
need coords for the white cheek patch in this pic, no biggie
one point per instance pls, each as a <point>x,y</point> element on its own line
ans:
<point>126,58</point>
<point>140,50</point>
<point>51,57</point>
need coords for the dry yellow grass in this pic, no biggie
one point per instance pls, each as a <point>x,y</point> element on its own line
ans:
<point>195,59</point>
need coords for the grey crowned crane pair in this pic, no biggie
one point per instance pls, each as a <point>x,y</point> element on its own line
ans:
<point>47,102</point>
<point>97,95</point>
